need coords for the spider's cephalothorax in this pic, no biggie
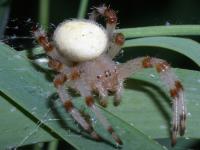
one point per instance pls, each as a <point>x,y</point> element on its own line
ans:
<point>82,53</point>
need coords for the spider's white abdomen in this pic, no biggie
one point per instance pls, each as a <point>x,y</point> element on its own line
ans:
<point>80,40</point>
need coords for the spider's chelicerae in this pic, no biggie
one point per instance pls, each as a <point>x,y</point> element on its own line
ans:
<point>82,53</point>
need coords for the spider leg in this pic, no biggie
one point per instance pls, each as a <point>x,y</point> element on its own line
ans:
<point>56,61</point>
<point>116,44</point>
<point>60,79</point>
<point>90,103</point>
<point>42,39</point>
<point>103,95</point>
<point>118,93</point>
<point>110,17</point>
<point>170,80</point>
<point>116,39</point>
<point>67,102</point>
<point>86,92</point>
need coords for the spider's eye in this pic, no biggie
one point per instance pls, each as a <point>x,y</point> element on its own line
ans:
<point>98,76</point>
<point>107,73</point>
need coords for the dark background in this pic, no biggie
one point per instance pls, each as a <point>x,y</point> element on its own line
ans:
<point>132,13</point>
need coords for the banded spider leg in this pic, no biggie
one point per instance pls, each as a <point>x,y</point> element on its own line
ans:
<point>170,80</point>
<point>116,39</point>
<point>65,73</point>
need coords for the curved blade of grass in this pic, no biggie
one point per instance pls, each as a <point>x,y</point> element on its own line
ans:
<point>28,88</point>
<point>175,30</point>
<point>187,47</point>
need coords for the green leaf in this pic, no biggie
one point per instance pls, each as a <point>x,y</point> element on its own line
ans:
<point>182,144</point>
<point>176,30</point>
<point>187,47</point>
<point>18,129</point>
<point>30,91</point>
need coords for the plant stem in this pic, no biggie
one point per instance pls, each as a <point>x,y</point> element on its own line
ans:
<point>82,8</point>
<point>4,16</point>
<point>38,146</point>
<point>53,145</point>
<point>44,13</point>
<point>176,30</point>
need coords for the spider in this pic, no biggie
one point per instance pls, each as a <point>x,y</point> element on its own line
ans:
<point>82,53</point>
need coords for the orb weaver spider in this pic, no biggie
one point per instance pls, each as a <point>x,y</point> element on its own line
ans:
<point>82,53</point>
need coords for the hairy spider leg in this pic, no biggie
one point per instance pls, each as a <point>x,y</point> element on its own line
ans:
<point>61,78</point>
<point>116,39</point>
<point>116,44</point>
<point>103,95</point>
<point>56,61</point>
<point>170,80</point>
<point>118,93</point>
<point>59,81</point>
<point>110,18</point>
<point>90,103</point>
<point>85,91</point>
